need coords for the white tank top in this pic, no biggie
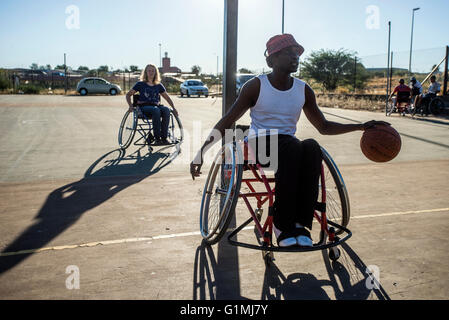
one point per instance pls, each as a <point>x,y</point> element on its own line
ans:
<point>277,110</point>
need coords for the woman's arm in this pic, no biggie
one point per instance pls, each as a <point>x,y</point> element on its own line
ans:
<point>326,127</point>
<point>170,102</point>
<point>128,98</point>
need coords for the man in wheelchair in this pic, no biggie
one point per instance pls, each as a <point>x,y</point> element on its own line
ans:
<point>150,89</point>
<point>275,102</point>
<point>402,100</point>
<point>423,101</point>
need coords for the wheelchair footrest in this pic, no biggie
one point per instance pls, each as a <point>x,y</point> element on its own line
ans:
<point>319,246</point>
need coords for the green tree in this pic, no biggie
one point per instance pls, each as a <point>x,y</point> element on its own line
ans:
<point>330,68</point>
<point>103,69</point>
<point>244,70</point>
<point>133,68</point>
<point>83,68</point>
<point>196,70</point>
<point>34,66</point>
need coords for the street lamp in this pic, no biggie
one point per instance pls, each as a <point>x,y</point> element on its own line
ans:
<point>283,7</point>
<point>160,56</point>
<point>411,41</point>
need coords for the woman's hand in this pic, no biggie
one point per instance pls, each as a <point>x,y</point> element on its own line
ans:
<point>175,112</point>
<point>373,123</point>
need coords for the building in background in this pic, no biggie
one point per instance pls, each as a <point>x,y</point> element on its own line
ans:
<point>167,68</point>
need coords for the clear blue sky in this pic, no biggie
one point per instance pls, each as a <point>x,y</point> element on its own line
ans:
<point>121,33</point>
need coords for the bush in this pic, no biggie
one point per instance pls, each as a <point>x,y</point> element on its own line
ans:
<point>30,89</point>
<point>4,83</point>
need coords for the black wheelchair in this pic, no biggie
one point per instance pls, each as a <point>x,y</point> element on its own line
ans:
<point>136,121</point>
<point>431,104</point>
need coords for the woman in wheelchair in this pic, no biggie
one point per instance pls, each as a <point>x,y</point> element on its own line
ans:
<point>275,102</point>
<point>150,89</point>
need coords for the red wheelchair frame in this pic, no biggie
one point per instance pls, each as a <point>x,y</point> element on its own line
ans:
<point>329,230</point>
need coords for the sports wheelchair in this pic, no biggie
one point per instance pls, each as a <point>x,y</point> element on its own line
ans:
<point>401,107</point>
<point>136,121</point>
<point>223,188</point>
<point>433,104</point>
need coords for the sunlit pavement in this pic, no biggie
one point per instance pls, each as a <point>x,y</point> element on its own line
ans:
<point>81,220</point>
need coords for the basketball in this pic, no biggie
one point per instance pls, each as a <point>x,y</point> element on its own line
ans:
<point>380,143</point>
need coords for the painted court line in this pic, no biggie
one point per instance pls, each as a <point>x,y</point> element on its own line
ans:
<point>188,234</point>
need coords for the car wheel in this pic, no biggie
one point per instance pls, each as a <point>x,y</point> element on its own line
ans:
<point>188,94</point>
<point>113,92</point>
<point>182,94</point>
<point>83,92</point>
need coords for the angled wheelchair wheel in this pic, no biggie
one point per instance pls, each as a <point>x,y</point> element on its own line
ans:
<point>436,106</point>
<point>175,130</point>
<point>221,193</point>
<point>337,199</point>
<point>390,108</point>
<point>127,129</point>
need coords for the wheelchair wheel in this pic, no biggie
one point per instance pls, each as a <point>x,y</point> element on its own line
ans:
<point>175,130</point>
<point>221,193</point>
<point>390,108</point>
<point>127,129</point>
<point>436,106</point>
<point>337,200</point>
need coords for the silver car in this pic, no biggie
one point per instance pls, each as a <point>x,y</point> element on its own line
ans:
<point>97,85</point>
<point>194,87</point>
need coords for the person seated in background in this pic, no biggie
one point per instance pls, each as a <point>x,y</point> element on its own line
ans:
<point>423,100</point>
<point>416,88</point>
<point>402,93</point>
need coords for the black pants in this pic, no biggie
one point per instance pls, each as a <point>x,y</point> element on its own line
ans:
<point>298,171</point>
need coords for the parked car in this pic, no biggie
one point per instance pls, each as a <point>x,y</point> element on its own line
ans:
<point>194,87</point>
<point>97,85</point>
<point>241,79</point>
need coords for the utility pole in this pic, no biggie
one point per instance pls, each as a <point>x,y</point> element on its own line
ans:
<point>411,42</point>
<point>230,54</point>
<point>65,73</point>
<point>283,11</point>
<point>388,68</point>
<point>355,73</point>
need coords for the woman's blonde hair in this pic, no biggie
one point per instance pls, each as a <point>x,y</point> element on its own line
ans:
<point>157,75</point>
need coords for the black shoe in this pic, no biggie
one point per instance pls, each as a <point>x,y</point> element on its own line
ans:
<point>164,142</point>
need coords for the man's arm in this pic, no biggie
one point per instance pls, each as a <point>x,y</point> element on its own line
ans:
<point>326,127</point>
<point>247,98</point>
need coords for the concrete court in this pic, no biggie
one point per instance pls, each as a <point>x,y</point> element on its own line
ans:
<point>129,222</point>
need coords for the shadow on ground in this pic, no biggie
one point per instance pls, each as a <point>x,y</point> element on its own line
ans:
<point>107,176</point>
<point>348,278</point>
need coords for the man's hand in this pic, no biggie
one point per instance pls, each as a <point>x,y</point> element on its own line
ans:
<point>195,165</point>
<point>195,170</point>
<point>373,123</point>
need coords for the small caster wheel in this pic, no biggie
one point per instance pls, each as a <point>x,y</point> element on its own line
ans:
<point>334,253</point>
<point>258,213</point>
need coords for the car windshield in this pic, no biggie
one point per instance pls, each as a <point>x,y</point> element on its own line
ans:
<point>195,83</point>
<point>243,79</point>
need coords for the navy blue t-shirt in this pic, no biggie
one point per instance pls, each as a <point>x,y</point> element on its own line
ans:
<point>149,94</point>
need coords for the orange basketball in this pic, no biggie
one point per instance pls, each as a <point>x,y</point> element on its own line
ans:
<point>380,143</point>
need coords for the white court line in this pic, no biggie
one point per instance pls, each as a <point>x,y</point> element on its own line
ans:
<point>188,234</point>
